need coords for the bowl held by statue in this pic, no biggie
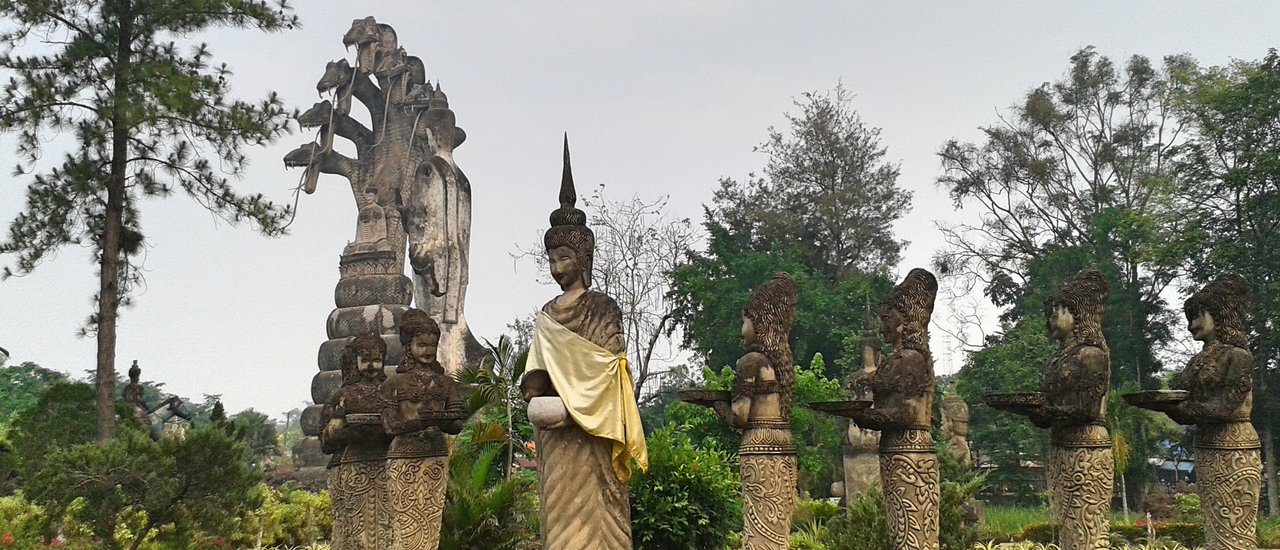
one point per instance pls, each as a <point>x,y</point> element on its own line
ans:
<point>547,410</point>
<point>1016,402</point>
<point>706,398</point>
<point>846,409</point>
<point>364,418</point>
<point>1155,398</point>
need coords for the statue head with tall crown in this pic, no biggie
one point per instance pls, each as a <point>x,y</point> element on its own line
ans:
<point>1083,297</point>
<point>1224,300</point>
<point>569,236</point>
<point>905,311</point>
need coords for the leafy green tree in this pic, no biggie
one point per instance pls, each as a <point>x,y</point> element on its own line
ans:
<point>146,118</point>
<point>1077,175</point>
<point>21,386</point>
<point>257,431</point>
<point>63,416</point>
<point>198,482</point>
<point>688,498</point>
<point>497,384</point>
<point>827,188</point>
<point>1011,363</point>
<point>711,288</point>
<point>1231,167</point>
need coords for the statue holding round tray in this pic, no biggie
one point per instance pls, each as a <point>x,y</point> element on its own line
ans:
<point>1218,402</point>
<point>760,405</point>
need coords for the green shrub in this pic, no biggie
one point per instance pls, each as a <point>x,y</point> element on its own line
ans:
<point>1186,507</point>
<point>1269,532</point>
<point>957,523</point>
<point>1043,533</point>
<point>863,526</point>
<point>484,510</point>
<point>818,511</point>
<point>689,498</point>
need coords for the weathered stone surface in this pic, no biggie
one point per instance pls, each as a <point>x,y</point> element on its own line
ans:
<point>325,383</point>
<point>349,321</point>
<point>311,420</point>
<point>307,453</point>
<point>364,290</point>
<point>330,355</point>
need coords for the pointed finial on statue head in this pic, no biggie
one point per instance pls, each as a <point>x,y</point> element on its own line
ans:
<point>568,195</point>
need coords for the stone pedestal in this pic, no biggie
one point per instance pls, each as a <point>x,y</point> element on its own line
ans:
<point>861,460</point>
<point>368,299</point>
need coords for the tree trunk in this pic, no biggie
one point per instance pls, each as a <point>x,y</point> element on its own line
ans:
<point>113,225</point>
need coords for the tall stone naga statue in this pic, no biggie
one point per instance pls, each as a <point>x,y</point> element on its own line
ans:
<point>1072,404</point>
<point>580,396</point>
<point>1217,400</point>
<point>902,412</point>
<point>761,407</point>
<point>413,204</point>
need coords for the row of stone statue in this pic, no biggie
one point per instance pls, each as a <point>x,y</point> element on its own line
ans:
<point>895,399</point>
<point>389,467</point>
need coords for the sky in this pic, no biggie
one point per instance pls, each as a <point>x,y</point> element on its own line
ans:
<point>658,98</point>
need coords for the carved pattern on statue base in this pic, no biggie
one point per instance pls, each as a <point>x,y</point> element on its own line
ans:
<point>768,500</point>
<point>1230,482</point>
<point>416,487</point>
<point>1080,482</point>
<point>911,483</point>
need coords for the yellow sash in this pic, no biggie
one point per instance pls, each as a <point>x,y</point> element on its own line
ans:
<point>595,387</point>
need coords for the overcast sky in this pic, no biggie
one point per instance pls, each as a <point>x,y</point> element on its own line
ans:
<point>657,98</point>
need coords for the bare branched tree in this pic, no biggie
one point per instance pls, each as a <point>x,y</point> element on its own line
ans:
<point>638,243</point>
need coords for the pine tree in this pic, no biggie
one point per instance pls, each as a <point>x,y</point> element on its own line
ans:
<point>146,117</point>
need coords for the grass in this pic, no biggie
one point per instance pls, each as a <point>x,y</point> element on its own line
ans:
<point>1006,522</point>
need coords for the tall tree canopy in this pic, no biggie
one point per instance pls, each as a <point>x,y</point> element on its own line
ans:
<point>1231,168</point>
<point>823,212</point>
<point>146,117</point>
<point>1077,175</point>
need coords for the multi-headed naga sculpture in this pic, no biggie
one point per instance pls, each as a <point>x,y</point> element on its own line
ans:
<point>1217,398</point>
<point>580,396</point>
<point>413,205</point>
<point>1072,405</point>
<point>403,167</point>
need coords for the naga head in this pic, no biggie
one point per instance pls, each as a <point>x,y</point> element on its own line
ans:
<point>336,73</point>
<point>371,39</point>
<point>304,157</point>
<point>317,115</point>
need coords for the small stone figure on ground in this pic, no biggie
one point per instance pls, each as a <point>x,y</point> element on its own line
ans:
<point>353,434</point>
<point>422,404</point>
<point>581,400</point>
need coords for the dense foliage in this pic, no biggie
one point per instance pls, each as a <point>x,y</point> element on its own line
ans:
<point>689,497</point>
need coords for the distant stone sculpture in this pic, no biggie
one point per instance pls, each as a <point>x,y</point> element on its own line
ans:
<point>761,407</point>
<point>354,436</point>
<point>158,418</point>
<point>955,426</point>
<point>580,396</point>
<point>1072,404</point>
<point>860,449</point>
<point>903,412</point>
<point>412,200</point>
<point>133,396</point>
<point>1217,399</point>
<point>421,403</point>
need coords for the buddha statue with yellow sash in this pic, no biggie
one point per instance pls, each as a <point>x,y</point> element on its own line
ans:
<point>580,396</point>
